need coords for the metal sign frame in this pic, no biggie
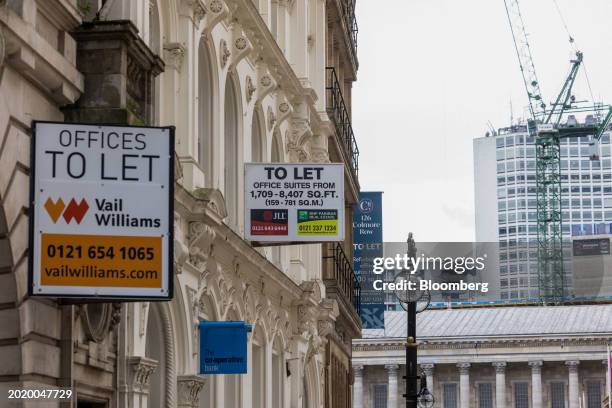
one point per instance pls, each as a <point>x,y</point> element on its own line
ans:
<point>170,222</point>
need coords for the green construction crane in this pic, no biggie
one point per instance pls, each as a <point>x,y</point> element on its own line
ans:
<point>545,125</point>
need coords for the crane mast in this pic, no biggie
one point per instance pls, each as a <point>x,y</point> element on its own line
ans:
<point>546,128</point>
<point>523,52</point>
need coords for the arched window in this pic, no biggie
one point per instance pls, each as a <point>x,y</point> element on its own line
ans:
<point>155,349</point>
<point>231,152</point>
<point>275,154</point>
<point>258,371</point>
<point>278,374</point>
<point>257,139</point>
<point>205,113</point>
<point>232,381</point>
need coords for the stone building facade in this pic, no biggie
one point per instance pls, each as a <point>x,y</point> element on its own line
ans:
<point>242,81</point>
<point>505,357</point>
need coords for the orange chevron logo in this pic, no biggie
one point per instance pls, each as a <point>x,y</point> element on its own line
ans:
<point>69,212</point>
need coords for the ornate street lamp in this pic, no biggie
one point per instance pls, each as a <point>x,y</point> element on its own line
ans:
<point>413,301</point>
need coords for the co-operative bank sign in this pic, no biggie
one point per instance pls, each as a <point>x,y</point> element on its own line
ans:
<point>101,211</point>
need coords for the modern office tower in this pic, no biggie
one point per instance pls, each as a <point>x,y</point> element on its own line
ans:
<point>505,201</point>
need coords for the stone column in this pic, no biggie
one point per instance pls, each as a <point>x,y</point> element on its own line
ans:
<point>358,386</point>
<point>607,377</point>
<point>500,384</point>
<point>189,387</point>
<point>464,384</point>
<point>392,369</point>
<point>536,384</point>
<point>574,387</point>
<point>428,369</point>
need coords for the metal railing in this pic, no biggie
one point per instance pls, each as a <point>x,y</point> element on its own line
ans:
<point>340,271</point>
<point>337,110</point>
<point>348,13</point>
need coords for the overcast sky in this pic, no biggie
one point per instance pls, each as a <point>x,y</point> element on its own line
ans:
<point>432,73</point>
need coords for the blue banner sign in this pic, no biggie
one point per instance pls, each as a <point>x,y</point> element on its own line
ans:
<point>223,347</point>
<point>367,245</point>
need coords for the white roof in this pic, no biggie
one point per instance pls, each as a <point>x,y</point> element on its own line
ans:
<point>500,322</point>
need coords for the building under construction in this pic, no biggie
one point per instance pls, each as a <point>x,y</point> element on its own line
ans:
<point>506,202</point>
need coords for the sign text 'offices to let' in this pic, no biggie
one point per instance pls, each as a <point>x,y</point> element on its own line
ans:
<point>294,202</point>
<point>101,211</point>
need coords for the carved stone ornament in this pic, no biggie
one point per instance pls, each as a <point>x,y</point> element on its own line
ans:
<point>97,319</point>
<point>198,13</point>
<point>201,237</point>
<point>271,119</point>
<point>250,88</point>
<point>266,81</point>
<point>225,53</point>
<point>174,54</point>
<point>298,141</point>
<point>215,6</point>
<point>139,373</point>
<point>241,43</point>
<point>189,387</point>
<point>284,107</point>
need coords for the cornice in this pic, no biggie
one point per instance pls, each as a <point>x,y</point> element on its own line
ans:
<point>360,345</point>
<point>193,209</point>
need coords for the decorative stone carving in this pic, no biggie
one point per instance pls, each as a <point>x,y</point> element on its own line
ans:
<point>298,140</point>
<point>201,237</point>
<point>215,6</point>
<point>139,372</point>
<point>284,107</point>
<point>189,387</point>
<point>536,366</point>
<point>319,155</point>
<point>464,368</point>
<point>115,315</point>
<point>225,53</point>
<point>392,368</point>
<point>250,89</point>
<point>500,367</point>
<point>572,366</point>
<point>211,201</point>
<point>271,119</point>
<point>174,53</point>
<point>266,81</point>
<point>428,369</point>
<point>241,43</point>
<point>198,13</point>
<point>97,319</point>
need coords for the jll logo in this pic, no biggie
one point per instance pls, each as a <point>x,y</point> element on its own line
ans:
<point>68,212</point>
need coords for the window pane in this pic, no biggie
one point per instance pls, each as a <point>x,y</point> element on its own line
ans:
<point>485,395</point>
<point>380,396</point>
<point>594,394</point>
<point>557,395</point>
<point>521,395</point>
<point>450,395</point>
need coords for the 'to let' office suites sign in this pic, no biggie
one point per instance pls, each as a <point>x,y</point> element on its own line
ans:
<point>101,211</point>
